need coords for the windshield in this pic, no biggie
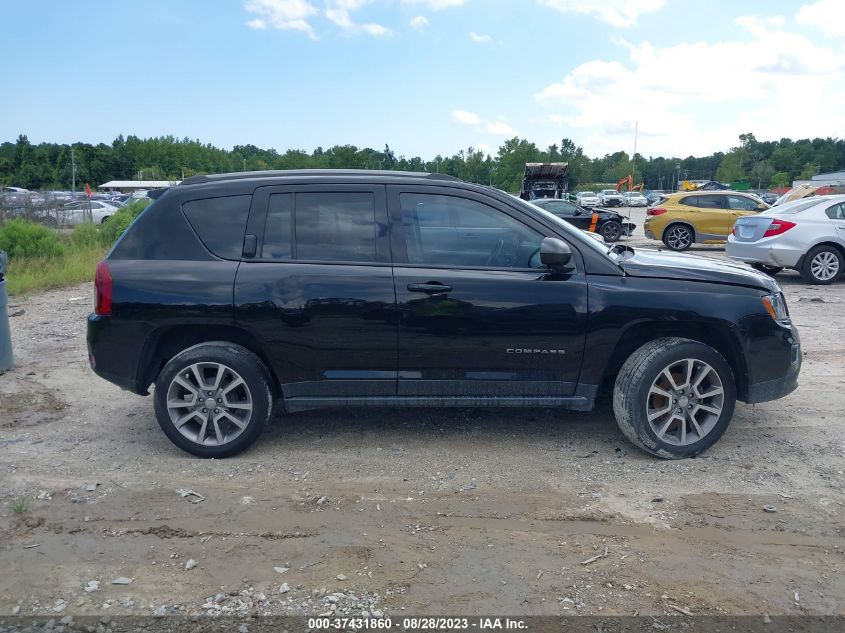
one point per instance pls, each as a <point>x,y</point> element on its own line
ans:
<point>576,235</point>
<point>586,194</point>
<point>609,192</point>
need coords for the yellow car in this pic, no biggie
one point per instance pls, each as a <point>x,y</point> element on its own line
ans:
<point>706,217</point>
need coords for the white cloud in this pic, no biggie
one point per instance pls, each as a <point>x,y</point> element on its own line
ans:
<point>419,23</point>
<point>618,13</point>
<point>826,15</point>
<point>695,98</point>
<point>281,14</point>
<point>339,12</point>
<point>483,147</point>
<point>500,128</point>
<point>437,5</point>
<point>467,118</point>
<point>480,39</point>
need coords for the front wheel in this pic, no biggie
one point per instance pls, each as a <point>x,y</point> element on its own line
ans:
<point>611,231</point>
<point>822,265</point>
<point>213,399</point>
<point>674,397</point>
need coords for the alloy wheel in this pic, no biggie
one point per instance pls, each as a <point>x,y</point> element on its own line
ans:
<point>679,238</point>
<point>209,403</point>
<point>685,402</point>
<point>824,266</point>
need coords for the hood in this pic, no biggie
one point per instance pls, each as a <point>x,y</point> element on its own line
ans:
<point>668,265</point>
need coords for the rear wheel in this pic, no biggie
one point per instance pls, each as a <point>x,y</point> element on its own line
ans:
<point>674,397</point>
<point>769,270</point>
<point>213,399</point>
<point>611,231</point>
<point>822,265</point>
<point>678,237</point>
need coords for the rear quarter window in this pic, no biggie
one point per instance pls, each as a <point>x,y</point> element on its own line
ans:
<point>220,223</point>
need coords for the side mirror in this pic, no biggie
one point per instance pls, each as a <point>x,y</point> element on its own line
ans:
<point>556,254</point>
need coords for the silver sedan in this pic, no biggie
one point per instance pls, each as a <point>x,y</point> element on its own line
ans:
<point>807,235</point>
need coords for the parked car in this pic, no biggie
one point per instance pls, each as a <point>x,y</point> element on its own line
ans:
<point>634,199</point>
<point>239,295</point>
<point>80,211</point>
<point>609,224</point>
<point>586,199</point>
<point>769,198</point>
<point>807,235</point>
<point>610,198</point>
<point>707,217</point>
<point>654,196</point>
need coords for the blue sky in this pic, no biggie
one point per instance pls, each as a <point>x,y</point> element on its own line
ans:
<point>425,76</point>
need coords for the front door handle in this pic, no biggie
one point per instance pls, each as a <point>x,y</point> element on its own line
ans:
<point>431,288</point>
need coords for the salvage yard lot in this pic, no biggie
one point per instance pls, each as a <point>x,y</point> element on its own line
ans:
<point>415,512</point>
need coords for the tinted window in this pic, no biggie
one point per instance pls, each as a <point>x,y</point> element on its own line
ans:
<point>452,231</point>
<point>278,228</point>
<point>703,202</point>
<point>335,227</point>
<point>741,203</point>
<point>220,223</point>
<point>836,212</point>
<point>560,207</point>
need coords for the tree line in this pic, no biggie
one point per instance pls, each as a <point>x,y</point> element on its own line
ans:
<point>764,164</point>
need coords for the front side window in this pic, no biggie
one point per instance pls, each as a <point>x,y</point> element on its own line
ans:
<point>326,226</point>
<point>741,203</point>
<point>560,208</point>
<point>458,232</point>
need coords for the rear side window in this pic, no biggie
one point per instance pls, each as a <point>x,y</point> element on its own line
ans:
<point>836,212</point>
<point>336,227</point>
<point>220,223</point>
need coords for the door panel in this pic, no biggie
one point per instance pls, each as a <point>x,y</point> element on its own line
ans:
<point>485,326</point>
<point>327,327</point>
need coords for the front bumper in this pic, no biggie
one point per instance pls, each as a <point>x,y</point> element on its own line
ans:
<point>778,387</point>
<point>769,253</point>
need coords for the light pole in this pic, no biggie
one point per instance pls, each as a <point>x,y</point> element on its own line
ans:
<point>244,164</point>
<point>677,176</point>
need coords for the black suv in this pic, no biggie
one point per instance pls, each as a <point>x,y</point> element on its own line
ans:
<point>240,295</point>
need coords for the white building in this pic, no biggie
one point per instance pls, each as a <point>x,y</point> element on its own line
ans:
<point>830,179</point>
<point>128,186</point>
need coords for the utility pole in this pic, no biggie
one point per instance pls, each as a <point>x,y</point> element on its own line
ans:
<point>73,170</point>
<point>634,164</point>
<point>244,164</point>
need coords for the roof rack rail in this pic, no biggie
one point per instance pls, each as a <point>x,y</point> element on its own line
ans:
<point>282,173</point>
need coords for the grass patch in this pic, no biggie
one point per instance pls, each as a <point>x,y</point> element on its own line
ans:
<point>41,259</point>
<point>33,274</point>
<point>20,505</point>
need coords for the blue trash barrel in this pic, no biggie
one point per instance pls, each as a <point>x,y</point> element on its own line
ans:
<point>6,358</point>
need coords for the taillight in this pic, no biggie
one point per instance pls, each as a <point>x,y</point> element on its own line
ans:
<point>102,287</point>
<point>778,227</point>
<point>656,211</point>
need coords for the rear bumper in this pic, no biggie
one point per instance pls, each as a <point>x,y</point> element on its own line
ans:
<point>768,253</point>
<point>112,354</point>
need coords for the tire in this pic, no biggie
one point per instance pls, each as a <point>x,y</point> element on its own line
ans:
<point>241,408</point>
<point>822,265</point>
<point>678,237</point>
<point>634,395</point>
<point>769,270</point>
<point>611,231</point>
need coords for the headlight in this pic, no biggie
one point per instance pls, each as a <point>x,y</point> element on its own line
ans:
<point>776,307</point>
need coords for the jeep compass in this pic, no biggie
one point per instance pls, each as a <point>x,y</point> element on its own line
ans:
<point>239,296</point>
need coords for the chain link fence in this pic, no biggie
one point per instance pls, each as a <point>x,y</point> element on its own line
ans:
<point>56,209</point>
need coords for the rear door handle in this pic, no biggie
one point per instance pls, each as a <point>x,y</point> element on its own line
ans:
<point>431,288</point>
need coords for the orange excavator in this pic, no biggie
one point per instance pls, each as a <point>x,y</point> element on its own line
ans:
<point>629,181</point>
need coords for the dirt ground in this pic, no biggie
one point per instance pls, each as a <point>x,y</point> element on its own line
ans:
<point>414,512</point>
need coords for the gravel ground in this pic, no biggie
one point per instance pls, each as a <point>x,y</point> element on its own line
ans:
<point>419,512</point>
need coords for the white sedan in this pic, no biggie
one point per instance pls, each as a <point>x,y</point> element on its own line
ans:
<point>78,212</point>
<point>634,199</point>
<point>587,199</point>
<point>807,235</point>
